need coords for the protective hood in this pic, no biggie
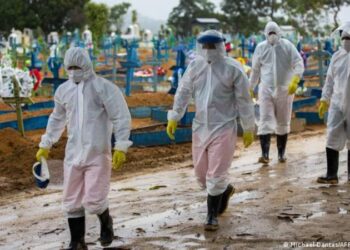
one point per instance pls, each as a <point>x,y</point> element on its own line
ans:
<point>211,36</point>
<point>272,27</point>
<point>79,57</point>
<point>339,32</point>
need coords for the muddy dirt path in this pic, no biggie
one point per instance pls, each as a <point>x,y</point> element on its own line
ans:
<point>272,205</point>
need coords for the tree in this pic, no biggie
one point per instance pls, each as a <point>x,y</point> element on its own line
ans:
<point>49,15</point>
<point>245,16</point>
<point>304,15</point>
<point>17,14</point>
<point>134,17</point>
<point>182,16</point>
<point>116,15</point>
<point>334,6</point>
<point>58,15</point>
<point>97,19</point>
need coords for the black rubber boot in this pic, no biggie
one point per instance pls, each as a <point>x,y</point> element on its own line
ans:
<point>349,165</point>
<point>107,234</point>
<point>213,203</point>
<point>281,147</point>
<point>230,190</point>
<point>332,167</point>
<point>77,233</point>
<point>265,141</point>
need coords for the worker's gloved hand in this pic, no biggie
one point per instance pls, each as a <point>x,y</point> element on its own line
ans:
<point>42,152</point>
<point>171,128</point>
<point>251,92</point>
<point>322,109</point>
<point>119,158</point>
<point>293,85</point>
<point>248,138</point>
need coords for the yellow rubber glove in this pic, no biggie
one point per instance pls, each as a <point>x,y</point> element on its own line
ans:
<point>119,158</point>
<point>251,92</point>
<point>322,109</point>
<point>171,128</point>
<point>42,152</point>
<point>248,138</point>
<point>293,85</point>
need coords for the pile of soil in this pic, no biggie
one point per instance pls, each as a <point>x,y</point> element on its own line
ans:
<point>141,123</point>
<point>149,99</point>
<point>17,156</point>
<point>312,81</point>
<point>311,109</point>
<point>136,100</point>
<point>42,98</point>
<point>26,114</point>
<point>4,106</point>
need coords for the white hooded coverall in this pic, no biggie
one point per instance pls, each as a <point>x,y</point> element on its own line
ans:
<point>221,91</point>
<point>91,110</point>
<point>274,65</point>
<point>337,91</point>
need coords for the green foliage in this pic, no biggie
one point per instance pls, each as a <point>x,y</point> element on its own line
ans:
<point>182,16</point>
<point>50,15</point>
<point>303,15</point>
<point>97,19</point>
<point>17,13</point>
<point>134,17</point>
<point>334,7</point>
<point>117,13</point>
<point>244,16</point>
<point>250,16</point>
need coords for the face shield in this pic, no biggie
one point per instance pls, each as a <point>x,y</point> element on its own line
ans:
<point>210,45</point>
<point>272,32</point>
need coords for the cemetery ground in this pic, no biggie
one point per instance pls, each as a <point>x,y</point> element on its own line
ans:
<point>157,204</point>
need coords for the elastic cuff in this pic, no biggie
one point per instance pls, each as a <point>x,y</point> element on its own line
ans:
<point>173,115</point>
<point>45,145</point>
<point>76,214</point>
<point>122,146</point>
<point>217,185</point>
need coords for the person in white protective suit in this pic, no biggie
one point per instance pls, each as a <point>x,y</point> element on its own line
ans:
<point>221,92</point>
<point>336,96</point>
<point>91,108</point>
<point>278,67</point>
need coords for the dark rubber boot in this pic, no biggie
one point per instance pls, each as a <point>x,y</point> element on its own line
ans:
<point>265,141</point>
<point>213,203</point>
<point>332,167</point>
<point>77,233</point>
<point>107,234</point>
<point>281,147</point>
<point>230,190</point>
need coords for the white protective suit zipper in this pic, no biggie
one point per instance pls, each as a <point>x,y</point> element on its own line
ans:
<point>274,66</point>
<point>80,117</point>
<point>209,82</point>
<point>345,106</point>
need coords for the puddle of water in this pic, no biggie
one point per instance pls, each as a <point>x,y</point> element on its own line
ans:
<point>191,244</point>
<point>247,195</point>
<point>342,210</point>
<point>317,214</point>
<point>168,216</point>
<point>7,218</point>
<point>341,191</point>
<point>194,236</point>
